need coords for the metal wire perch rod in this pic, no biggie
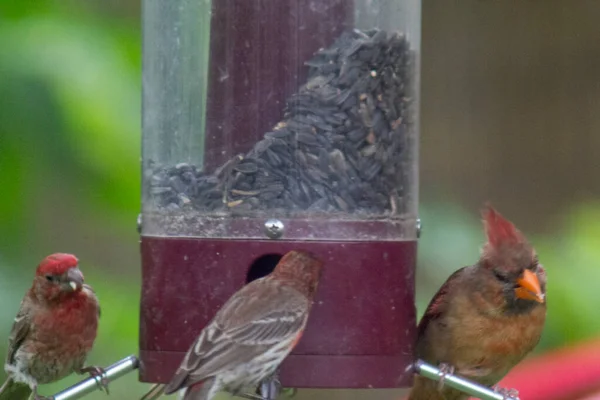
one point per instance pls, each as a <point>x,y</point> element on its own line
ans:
<point>90,384</point>
<point>456,382</point>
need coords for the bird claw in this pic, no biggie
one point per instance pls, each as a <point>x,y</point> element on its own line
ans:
<point>99,375</point>
<point>270,387</point>
<point>508,394</point>
<point>445,369</point>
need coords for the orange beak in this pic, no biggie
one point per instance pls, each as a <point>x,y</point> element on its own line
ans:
<point>529,287</point>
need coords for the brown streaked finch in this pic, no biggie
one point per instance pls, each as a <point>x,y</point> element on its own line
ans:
<point>487,317</point>
<point>54,330</point>
<point>251,334</point>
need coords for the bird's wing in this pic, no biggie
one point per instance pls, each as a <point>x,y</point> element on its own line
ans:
<point>439,303</point>
<point>260,316</point>
<point>19,332</point>
<point>89,291</point>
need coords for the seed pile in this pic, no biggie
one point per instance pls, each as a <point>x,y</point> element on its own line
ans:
<point>339,147</point>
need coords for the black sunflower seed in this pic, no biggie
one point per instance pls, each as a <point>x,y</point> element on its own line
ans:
<point>339,147</point>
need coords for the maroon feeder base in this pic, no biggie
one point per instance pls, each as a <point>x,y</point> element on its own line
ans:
<point>361,330</point>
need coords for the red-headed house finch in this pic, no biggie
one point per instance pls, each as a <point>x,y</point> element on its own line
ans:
<point>251,334</point>
<point>54,330</point>
<point>486,317</point>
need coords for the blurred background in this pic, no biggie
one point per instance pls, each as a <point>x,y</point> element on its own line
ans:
<point>510,113</point>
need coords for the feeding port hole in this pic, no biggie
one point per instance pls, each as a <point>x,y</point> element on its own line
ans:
<point>314,125</point>
<point>262,266</point>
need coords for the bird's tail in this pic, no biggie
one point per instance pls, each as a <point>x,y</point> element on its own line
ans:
<point>202,391</point>
<point>154,393</point>
<point>12,390</point>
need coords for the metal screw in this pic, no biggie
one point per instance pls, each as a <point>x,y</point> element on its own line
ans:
<point>274,228</point>
<point>139,223</point>
<point>418,228</point>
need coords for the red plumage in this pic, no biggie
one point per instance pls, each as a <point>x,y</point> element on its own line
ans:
<point>499,230</point>
<point>54,330</point>
<point>57,264</point>
<point>251,334</point>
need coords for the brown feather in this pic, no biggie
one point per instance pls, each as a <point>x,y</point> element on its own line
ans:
<point>438,304</point>
<point>20,329</point>
<point>474,322</point>
<point>262,314</point>
<point>253,331</point>
<point>200,392</point>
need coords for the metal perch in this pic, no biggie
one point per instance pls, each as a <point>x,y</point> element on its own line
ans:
<point>90,384</point>
<point>464,385</point>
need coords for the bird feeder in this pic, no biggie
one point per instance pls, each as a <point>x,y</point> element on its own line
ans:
<point>278,125</point>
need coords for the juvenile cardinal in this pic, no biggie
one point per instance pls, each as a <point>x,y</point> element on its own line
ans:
<point>251,334</point>
<point>53,331</point>
<point>486,317</point>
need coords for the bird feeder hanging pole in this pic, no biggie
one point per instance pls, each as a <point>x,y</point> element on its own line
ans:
<point>464,385</point>
<point>90,384</point>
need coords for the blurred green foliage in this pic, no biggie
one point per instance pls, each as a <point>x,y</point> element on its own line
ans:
<point>70,80</point>
<point>69,175</point>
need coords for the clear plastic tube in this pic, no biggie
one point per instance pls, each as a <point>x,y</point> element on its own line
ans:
<point>301,111</point>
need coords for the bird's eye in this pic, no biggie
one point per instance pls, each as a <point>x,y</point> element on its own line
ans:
<point>500,277</point>
<point>50,278</point>
<point>534,264</point>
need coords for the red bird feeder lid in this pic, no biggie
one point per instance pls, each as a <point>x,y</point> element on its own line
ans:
<point>274,126</point>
